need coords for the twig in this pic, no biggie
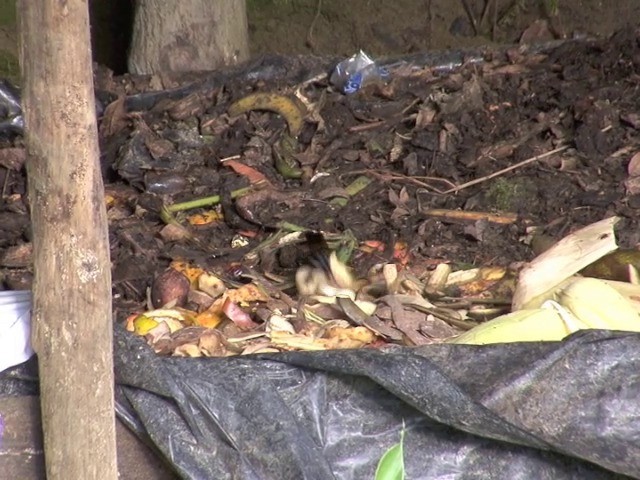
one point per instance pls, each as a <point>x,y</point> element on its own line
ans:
<point>5,185</point>
<point>312,26</point>
<point>471,217</point>
<point>366,126</point>
<point>508,169</point>
<point>387,176</point>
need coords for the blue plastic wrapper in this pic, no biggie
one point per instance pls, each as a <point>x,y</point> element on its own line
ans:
<point>352,74</point>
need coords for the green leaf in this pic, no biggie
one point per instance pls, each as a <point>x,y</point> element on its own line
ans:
<point>391,465</point>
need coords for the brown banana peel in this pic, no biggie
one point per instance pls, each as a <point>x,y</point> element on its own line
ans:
<point>290,108</point>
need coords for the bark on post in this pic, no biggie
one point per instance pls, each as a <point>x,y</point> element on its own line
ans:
<point>186,36</point>
<point>72,323</point>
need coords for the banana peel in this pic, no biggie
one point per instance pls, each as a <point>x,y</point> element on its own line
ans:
<point>536,325</point>
<point>290,108</point>
<point>599,305</point>
<point>548,272</point>
<point>585,303</point>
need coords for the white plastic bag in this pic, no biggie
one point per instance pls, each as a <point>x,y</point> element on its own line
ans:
<point>15,328</point>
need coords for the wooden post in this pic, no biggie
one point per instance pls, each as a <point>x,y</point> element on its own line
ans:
<point>72,329</point>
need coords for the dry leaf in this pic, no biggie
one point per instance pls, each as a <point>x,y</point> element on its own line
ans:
<point>13,158</point>
<point>297,342</point>
<point>632,185</point>
<point>158,147</point>
<point>115,118</point>
<point>201,299</point>
<point>211,344</point>
<point>260,347</point>
<point>425,117</point>
<point>161,331</point>
<point>187,350</point>
<point>18,256</point>
<point>409,322</point>
<point>279,323</point>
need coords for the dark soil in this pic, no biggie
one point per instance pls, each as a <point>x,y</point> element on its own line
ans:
<point>420,138</point>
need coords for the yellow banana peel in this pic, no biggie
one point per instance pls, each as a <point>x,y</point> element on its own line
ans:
<point>599,305</point>
<point>535,325</point>
<point>583,304</point>
<point>290,108</point>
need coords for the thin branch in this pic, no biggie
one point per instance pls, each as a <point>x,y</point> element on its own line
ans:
<point>508,169</point>
<point>310,43</point>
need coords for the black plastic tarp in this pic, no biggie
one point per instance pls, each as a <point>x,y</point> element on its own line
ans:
<point>565,410</point>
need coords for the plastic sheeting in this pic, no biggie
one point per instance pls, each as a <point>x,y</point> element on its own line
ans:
<point>566,410</point>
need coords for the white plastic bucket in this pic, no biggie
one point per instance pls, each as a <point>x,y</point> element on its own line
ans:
<point>15,328</point>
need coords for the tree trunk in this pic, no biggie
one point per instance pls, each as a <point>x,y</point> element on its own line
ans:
<point>190,35</point>
<point>72,322</point>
